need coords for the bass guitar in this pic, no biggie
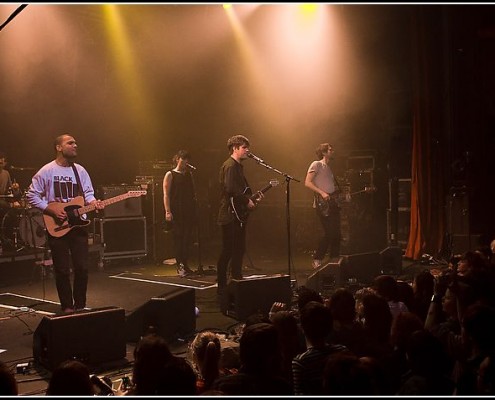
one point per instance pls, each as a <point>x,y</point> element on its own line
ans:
<point>240,210</point>
<point>325,206</point>
<point>75,210</point>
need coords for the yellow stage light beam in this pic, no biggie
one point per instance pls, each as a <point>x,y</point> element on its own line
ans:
<point>127,69</point>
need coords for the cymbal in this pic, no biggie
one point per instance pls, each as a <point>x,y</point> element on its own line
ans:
<point>15,168</point>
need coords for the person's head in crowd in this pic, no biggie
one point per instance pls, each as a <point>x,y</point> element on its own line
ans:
<point>377,316</point>
<point>70,378</point>
<point>305,295</point>
<point>423,284</point>
<point>386,287</point>
<point>178,378</point>
<point>359,296</point>
<point>259,350</point>
<point>150,357</point>
<point>316,323</point>
<point>343,305</point>
<point>403,326</point>
<point>206,352</point>
<point>8,383</point>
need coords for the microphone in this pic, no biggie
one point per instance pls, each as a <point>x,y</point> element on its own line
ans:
<point>191,166</point>
<point>255,158</point>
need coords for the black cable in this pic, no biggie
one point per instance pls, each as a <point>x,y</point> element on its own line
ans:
<point>13,15</point>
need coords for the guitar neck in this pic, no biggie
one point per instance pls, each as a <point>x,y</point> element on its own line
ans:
<point>111,200</point>
<point>256,195</point>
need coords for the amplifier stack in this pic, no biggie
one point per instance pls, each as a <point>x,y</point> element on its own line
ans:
<point>122,229</point>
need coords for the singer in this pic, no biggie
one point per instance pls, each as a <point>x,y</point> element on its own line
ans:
<point>180,208</point>
<point>233,185</point>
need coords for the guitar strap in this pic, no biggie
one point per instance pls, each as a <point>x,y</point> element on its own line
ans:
<point>78,180</point>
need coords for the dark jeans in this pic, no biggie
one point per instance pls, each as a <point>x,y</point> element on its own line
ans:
<point>233,248</point>
<point>331,235</point>
<point>71,250</point>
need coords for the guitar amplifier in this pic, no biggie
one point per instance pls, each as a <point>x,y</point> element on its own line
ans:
<point>122,237</point>
<point>131,207</point>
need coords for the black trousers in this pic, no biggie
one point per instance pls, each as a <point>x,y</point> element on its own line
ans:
<point>71,250</point>
<point>182,233</point>
<point>330,241</point>
<point>233,249</point>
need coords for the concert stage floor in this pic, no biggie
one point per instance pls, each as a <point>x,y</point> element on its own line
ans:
<point>27,297</point>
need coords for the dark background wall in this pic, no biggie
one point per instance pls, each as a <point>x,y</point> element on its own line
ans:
<point>182,76</point>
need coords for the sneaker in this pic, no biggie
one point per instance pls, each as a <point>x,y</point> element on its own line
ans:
<point>316,263</point>
<point>184,270</point>
<point>181,271</point>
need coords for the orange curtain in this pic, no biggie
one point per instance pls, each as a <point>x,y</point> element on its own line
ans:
<point>427,223</point>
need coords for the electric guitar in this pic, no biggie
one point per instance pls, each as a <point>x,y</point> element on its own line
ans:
<point>75,210</point>
<point>325,206</point>
<point>240,210</point>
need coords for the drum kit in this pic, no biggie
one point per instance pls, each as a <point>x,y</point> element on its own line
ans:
<point>22,226</point>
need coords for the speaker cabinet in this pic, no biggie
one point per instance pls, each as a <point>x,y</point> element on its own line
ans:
<point>91,336</point>
<point>362,266</point>
<point>252,295</point>
<point>171,315</point>
<point>122,237</point>
<point>131,207</point>
<point>391,260</point>
<point>326,278</point>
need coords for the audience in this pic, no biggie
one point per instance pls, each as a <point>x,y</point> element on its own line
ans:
<point>431,337</point>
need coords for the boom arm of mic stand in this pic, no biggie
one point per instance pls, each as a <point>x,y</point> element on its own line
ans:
<point>287,176</point>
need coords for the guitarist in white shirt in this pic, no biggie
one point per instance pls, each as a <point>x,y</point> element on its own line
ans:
<point>233,185</point>
<point>54,185</point>
<point>321,180</point>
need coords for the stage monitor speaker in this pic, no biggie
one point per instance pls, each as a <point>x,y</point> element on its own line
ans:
<point>363,267</point>
<point>391,260</point>
<point>256,295</point>
<point>131,207</point>
<point>327,277</point>
<point>171,315</point>
<point>91,336</point>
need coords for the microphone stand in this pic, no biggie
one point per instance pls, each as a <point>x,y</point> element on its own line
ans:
<point>288,178</point>
<point>200,263</point>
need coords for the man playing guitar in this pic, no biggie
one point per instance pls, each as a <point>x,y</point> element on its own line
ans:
<point>52,187</point>
<point>233,185</point>
<point>321,180</point>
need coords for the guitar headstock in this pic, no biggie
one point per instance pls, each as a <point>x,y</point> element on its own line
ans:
<point>136,193</point>
<point>274,182</point>
<point>370,189</point>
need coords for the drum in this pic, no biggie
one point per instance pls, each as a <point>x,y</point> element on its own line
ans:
<point>10,227</point>
<point>32,228</point>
